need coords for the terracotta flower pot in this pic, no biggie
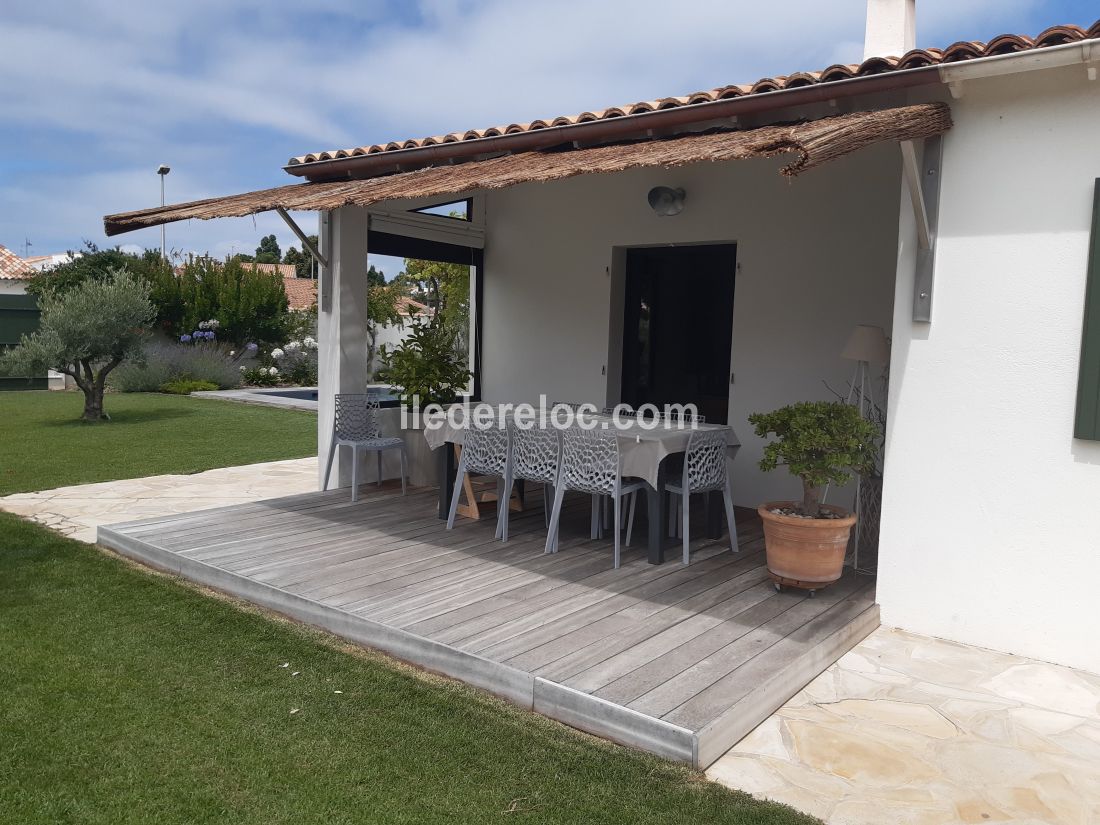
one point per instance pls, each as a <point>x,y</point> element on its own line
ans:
<point>804,552</point>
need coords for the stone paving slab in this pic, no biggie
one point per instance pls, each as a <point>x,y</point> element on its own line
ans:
<point>911,730</point>
<point>78,510</point>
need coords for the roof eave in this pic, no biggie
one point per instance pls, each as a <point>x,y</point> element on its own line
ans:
<point>370,165</point>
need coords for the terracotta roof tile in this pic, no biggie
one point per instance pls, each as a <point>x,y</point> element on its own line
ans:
<point>14,268</point>
<point>917,58</point>
<point>301,293</point>
<point>286,270</point>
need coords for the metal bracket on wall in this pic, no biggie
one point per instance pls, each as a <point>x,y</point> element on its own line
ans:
<point>306,242</point>
<point>923,181</point>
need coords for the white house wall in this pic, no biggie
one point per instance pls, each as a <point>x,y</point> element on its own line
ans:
<point>816,256</point>
<point>991,512</point>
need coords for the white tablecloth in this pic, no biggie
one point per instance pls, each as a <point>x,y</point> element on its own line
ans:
<point>641,449</point>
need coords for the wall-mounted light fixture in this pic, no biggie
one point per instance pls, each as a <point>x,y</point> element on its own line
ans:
<point>666,201</point>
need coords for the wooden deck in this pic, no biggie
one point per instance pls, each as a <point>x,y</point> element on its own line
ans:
<point>680,661</point>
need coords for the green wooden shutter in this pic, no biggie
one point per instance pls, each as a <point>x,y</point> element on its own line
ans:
<point>1088,382</point>
<point>18,316</point>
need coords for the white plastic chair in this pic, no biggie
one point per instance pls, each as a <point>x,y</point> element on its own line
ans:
<point>485,452</point>
<point>590,463</point>
<point>534,454</point>
<point>704,470</point>
<point>356,426</point>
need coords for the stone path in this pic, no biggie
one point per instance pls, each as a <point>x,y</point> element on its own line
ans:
<point>909,730</point>
<point>77,511</point>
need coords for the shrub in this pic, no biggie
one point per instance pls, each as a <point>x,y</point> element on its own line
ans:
<point>428,365</point>
<point>186,386</point>
<point>249,305</point>
<point>166,361</point>
<point>820,442</point>
<point>260,376</point>
<point>95,264</point>
<point>297,362</point>
<point>137,377</point>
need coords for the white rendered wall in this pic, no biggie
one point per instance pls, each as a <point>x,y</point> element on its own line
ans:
<point>342,328</point>
<point>817,256</point>
<point>12,287</point>
<point>991,511</point>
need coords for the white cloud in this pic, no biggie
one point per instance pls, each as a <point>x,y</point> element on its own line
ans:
<point>226,93</point>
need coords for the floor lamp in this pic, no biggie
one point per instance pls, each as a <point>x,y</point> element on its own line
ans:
<point>866,345</point>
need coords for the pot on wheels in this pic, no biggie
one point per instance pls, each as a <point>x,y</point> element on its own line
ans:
<point>807,553</point>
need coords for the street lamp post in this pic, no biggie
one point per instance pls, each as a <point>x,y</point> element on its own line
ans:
<point>162,170</point>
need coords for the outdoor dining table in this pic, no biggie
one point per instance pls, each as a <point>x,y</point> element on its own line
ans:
<point>643,450</point>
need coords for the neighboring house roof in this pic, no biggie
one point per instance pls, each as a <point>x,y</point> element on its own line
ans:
<point>301,293</point>
<point>408,306</point>
<point>286,270</point>
<point>12,267</point>
<point>915,59</point>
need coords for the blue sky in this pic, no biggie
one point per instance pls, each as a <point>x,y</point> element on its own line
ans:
<point>95,95</point>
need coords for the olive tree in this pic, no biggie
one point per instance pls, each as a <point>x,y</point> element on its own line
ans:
<point>87,332</point>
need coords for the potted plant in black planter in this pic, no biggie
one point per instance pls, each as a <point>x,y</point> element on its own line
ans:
<point>820,442</point>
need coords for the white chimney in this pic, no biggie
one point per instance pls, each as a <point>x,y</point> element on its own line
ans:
<point>891,28</point>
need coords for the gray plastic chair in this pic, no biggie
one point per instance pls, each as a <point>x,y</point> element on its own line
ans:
<point>534,454</point>
<point>356,426</point>
<point>590,463</point>
<point>704,470</point>
<point>485,452</point>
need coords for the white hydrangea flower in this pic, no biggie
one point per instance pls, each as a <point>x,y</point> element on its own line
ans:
<point>294,346</point>
<point>242,367</point>
<point>309,343</point>
<point>277,353</point>
<point>272,371</point>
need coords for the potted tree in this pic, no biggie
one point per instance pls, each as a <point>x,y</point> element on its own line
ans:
<point>820,442</point>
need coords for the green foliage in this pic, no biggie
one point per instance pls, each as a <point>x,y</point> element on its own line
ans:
<point>86,332</point>
<point>167,361</point>
<point>304,264</point>
<point>427,366</point>
<point>268,251</point>
<point>820,442</point>
<point>95,264</point>
<point>186,386</point>
<point>260,376</point>
<point>250,305</point>
<point>383,308</point>
<point>444,287</point>
<point>301,324</point>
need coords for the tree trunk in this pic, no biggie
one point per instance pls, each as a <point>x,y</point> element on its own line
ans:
<point>93,403</point>
<point>811,500</point>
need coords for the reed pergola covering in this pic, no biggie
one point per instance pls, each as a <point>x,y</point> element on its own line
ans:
<point>812,144</point>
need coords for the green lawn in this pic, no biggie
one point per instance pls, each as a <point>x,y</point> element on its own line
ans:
<point>45,445</point>
<point>128,697</point>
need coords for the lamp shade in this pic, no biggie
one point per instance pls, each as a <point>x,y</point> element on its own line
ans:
<point>867,343</point>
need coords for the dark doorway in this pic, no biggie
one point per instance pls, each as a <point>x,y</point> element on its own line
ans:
<point>678,327</point>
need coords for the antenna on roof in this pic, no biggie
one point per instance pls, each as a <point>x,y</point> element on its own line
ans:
<point>26,247</point>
